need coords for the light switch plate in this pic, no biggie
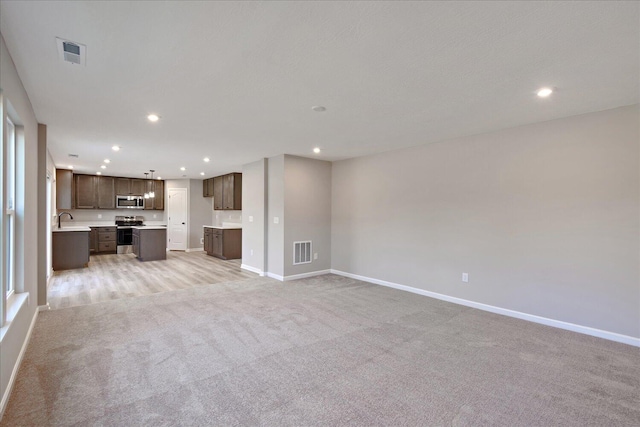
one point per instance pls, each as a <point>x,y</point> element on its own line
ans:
<point>465,277</point>
<point>99,216</point>
<point>276,220</point>
<point>250,218</point>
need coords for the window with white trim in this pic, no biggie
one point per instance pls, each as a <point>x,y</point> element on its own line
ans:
<point>10,212</point>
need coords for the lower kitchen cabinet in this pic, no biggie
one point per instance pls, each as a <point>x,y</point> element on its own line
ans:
<point>103,240</point>
<point>149,243</point>
<point>223,243</point>
<point>70,249</point>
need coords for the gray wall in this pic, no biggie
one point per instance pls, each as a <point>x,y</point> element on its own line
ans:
<point>27,225</point>
<point>254,207</point>
<point>275,208</point>
<point>200,213</point>
<point>307,209</point>
<point>544,218</point>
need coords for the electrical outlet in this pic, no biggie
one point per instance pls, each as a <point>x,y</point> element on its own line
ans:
<point>250,218</point>
<point>315,255</point>
<point>276,220</point>
<point>251,252</point>
<point>155,215</point>
<point>202,240</point>
<point>465,277</point>
<point>99,216</point>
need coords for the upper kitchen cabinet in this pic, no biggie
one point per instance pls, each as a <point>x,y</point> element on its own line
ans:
<point>232,192</point>
<point>207,187</point>
<point>227,192</point>
<point>106,192</point>
<point>123,187</point>
<point>156,202</point>
<point>85,186</point>
<point>130,186</point>
<point>137,187</point>
<point>218,184</point>
<point>64,189</point>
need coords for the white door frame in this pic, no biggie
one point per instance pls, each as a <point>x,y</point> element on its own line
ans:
<point>170,232</point>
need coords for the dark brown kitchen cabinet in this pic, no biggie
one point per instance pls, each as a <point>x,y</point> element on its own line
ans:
<point>64,189</point>
<point>137,187</point>
<point>123,186</point>
<point>207,240</point>
<point>150,244</point>
<point>130,187</point>
<point>207,187</point>
<point>70,249</point>
<point>103,240</point>
<point>218,184</point>
<point>93,240</point>
<point>106,192</point>
<point>223,243</point>
<point>227,192</point>
<point>159,199</point>
<point>232,192</point>
<point>85,186</point>
<point>156,202</point>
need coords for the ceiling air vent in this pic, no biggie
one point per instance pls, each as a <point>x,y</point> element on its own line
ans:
<point>72,52</point>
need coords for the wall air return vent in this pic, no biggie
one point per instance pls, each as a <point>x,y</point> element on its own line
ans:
<point>68,51</point>
<point>302,252</point>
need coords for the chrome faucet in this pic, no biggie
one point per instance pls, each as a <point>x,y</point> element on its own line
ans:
<point>62,213</point>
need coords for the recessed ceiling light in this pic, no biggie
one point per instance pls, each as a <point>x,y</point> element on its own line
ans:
<point>544,92</point>
<point>202,173</point>
<point>115,148</point>
<point>316,150</point>
<point>318,108</point>
<point>153,117</point>
<point>107,161</point>
<point>103,167</point>
<point>206,159</point>
<point>183,168</point>
<point>98,173</point>
<point>70,166</point>
<point>159,177</point>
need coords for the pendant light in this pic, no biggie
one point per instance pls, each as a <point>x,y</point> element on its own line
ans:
<point>146,178</point>
<point>152,193</point>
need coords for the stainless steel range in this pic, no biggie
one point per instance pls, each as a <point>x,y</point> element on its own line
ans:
<point>125,232</point>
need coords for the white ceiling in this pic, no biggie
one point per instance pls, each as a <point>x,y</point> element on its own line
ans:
<point>235,81</point>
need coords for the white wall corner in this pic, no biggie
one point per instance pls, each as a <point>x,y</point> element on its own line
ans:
<point>252,269</point>
<point>275,276</point>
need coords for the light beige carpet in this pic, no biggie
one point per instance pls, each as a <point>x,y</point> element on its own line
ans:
<point>320,351</point>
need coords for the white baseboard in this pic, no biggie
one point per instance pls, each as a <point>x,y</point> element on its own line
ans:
<point>274,276</point>
<point>194,250</point>
<point>16,367</point>
<point>305,275</point>
<point>297,276</point>
<point>612,336</point>
<point>252,269</point>
<point>44,307</point>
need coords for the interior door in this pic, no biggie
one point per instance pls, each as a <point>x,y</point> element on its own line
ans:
<point>177,224</point>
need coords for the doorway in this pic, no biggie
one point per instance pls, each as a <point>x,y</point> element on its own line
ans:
<point>177,221</point>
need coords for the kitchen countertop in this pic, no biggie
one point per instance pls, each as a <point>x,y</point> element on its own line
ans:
<point>67,229</point>
<point>149,227</point>
<point>224,227</point>
<point>74,224</point>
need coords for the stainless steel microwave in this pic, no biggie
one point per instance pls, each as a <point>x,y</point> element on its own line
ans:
<point>129,202</point>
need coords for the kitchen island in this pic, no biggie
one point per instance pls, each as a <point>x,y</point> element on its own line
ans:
<point>70,248</point>
<point>150,242</point>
